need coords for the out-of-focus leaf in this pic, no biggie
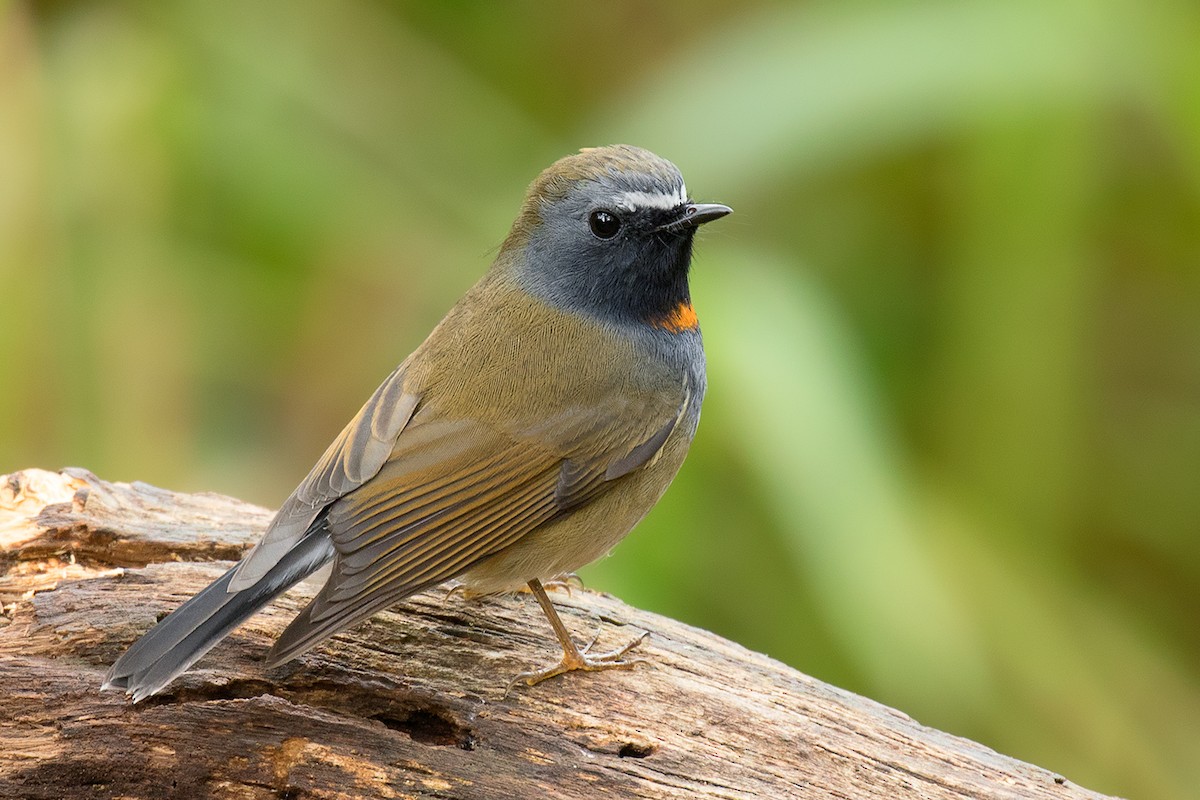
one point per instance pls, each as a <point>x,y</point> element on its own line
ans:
<point>800,88</point>
<point>798,403</point>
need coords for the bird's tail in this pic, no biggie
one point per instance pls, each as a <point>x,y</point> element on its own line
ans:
<point>191,630</point>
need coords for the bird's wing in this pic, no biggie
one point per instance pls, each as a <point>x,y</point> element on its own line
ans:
<point>353,458</point>
<point>456,491</point>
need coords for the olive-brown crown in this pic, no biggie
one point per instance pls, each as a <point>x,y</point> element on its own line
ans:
<point>634,168</point>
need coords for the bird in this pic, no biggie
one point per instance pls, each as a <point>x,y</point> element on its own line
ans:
<point>537,424</point>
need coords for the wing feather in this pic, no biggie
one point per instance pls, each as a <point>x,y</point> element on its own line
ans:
<point>485,529</point>
<point>455,491</point>
<point>353,458</point>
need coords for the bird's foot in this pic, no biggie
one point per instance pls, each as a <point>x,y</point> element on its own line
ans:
<point>574,660</point>
<point>566,582</point>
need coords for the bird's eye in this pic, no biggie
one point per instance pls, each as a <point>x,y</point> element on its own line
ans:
<point>604,224</point>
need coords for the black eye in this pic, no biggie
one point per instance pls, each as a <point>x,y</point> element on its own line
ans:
<point>604,224</point>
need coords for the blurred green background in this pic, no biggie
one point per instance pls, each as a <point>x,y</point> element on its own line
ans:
<point>950,451</point>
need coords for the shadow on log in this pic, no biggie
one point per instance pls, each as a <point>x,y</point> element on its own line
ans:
<point>411,703</point>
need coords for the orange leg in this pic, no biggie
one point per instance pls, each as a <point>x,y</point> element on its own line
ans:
<point>572,658</point>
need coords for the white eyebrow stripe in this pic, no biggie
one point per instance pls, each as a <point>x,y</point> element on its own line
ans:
<point>629,201</point>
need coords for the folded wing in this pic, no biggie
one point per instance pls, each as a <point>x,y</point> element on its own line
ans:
<point>353,458</point>
<point>455,492</point>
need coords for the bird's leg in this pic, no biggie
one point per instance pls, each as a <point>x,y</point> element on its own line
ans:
<point>572,658</point>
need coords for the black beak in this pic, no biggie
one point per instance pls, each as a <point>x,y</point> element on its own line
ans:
<point>695,214</point>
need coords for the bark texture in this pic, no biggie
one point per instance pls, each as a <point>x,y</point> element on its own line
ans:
<point>410,704</point>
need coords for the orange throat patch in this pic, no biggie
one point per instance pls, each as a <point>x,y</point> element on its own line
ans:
<point>681,318</point>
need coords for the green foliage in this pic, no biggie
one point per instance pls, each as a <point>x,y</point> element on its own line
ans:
<point>950,451</point>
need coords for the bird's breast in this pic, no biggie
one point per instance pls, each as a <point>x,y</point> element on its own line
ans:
<point>506,357</point>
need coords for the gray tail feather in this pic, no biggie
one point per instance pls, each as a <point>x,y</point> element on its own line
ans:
<point>191,630</point>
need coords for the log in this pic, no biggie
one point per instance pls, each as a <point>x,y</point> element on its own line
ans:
<point>412,703</point>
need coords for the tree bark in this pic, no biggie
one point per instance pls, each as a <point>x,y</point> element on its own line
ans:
<point>412,703</point>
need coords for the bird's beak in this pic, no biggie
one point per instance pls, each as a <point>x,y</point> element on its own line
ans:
<point>696,214</point>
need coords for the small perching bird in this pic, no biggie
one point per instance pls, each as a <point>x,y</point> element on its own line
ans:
<point>536,425</point>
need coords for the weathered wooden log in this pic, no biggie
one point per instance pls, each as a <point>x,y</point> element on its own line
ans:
<point>411,703</point>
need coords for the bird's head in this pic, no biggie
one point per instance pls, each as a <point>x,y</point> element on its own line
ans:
<point>608,232</point>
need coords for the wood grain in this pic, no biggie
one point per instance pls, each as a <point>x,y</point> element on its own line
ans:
<point>411,704</point>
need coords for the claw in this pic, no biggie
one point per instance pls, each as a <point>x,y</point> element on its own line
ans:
<point>621,651</point>
<point>582,661</point>
<point>566,582</point>
<point>572,659</point>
